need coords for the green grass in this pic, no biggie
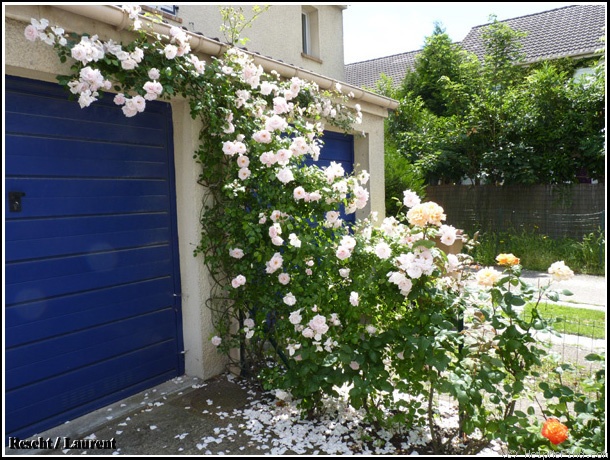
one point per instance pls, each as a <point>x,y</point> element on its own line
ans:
<point>574,321</point>
<point>537,252</point>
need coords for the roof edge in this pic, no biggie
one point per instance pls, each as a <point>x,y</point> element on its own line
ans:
<point>116,17</point>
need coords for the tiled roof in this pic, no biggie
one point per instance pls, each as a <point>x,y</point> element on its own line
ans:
<point>563,32</point>
<point>366,73</point>
<point>570,31</point>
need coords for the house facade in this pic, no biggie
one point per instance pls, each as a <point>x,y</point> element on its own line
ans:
<point>103,296</point>
<point>572,31</point>
<point>306,36</point>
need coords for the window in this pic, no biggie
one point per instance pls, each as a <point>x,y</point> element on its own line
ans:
<point>310,31</point>
<point>169,9</point>
<point>306,34</point>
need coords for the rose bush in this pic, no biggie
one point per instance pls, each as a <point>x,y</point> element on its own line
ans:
<point>312,304</point>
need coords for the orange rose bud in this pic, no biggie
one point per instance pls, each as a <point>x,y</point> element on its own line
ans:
<point>555,431</point>
<point>507,259</point>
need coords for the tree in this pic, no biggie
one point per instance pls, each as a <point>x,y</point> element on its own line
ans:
<point>497,121</point>
<point>439,59</point>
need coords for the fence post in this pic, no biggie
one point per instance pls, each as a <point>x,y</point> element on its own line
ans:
<point>602,225</point>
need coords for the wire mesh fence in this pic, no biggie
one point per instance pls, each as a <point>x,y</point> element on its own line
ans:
<point>555,211</point>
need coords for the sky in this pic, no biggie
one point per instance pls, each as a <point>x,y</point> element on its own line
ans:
<point>373,30</point>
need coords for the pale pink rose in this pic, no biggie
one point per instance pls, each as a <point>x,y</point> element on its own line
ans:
<point>289,299</point>
<point>354,298</point>
<point>267,158</point>
<point>295,317</point>
<point>332,216</point>
<point>86,98</point>
<point>80,53</point>
<point>228,148</point>
<point>410,198</point>
<point>277,241</point>
<point>354,365</point>
<point>280,105</point>
<point>309,263</point>
<point>341,187</point>
<point>249,322</point>
<point>318,324</point>
<point>560,271</point>
<point>170,51</point>
<point>276,123</point>
<point>344,272</point>
<point>119,99</point>
<point>275,229</point>
<point>262,137</point>
<point>315,196</point>
<point>343,253</point>
<point>154,74</point>
<point>139,103</point>
<point>198,64</point>
<point>348,241</point>
<point>284,278</point>
<point>299,193</point>
<point>129,64</point>
<point>395,277</point>
<point>383,250</point>
<point>153,87</point>
<point>274,263</point>
<point>299,146</point>
<point>276,215</point>
<point>285,175</point>
<point>334,319</point>
<point>243,161</point>
<point>238,281</point>
<point>216,340</point>
<point>308,333</point>
<point>282,157</point>
<point>405,286</point>
<point>31,33</point>
<point>236,253</point>
<point>262,219</point>
<point>266,88</point>
<point>448,234</point>
<point>294,240</point>
<point>453,263</point>
<point>308,272</point>
<point>371,329</point>
<point>333,171</point>
<point>487,276</point>
<point>240,147</point>
<point>129,110</point>
<point>243,173</point>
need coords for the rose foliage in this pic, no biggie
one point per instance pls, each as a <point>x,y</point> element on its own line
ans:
<point>302,300</point>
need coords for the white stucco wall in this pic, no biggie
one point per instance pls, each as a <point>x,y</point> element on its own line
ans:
<point>39,61</point>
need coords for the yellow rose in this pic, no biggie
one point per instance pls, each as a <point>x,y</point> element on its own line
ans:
<point>507,259</point>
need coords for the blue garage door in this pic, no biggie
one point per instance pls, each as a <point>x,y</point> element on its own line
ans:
<point>91,310</point>
<point>340,149</point>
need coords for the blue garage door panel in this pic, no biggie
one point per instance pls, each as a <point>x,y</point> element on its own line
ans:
<point>91,271</point>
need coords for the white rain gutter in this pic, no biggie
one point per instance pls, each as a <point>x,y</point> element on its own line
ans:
<point>116,17</point>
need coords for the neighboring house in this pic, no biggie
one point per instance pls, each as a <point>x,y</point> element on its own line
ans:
<point>571,31</point>
<point>103,296</point>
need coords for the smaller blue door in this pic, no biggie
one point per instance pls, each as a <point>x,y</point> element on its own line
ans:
<point>339,148</point>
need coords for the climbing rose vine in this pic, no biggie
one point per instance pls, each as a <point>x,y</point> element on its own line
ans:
<point>310,303</point>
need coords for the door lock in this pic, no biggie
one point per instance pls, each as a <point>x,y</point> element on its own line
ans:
<point>14,201</point>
